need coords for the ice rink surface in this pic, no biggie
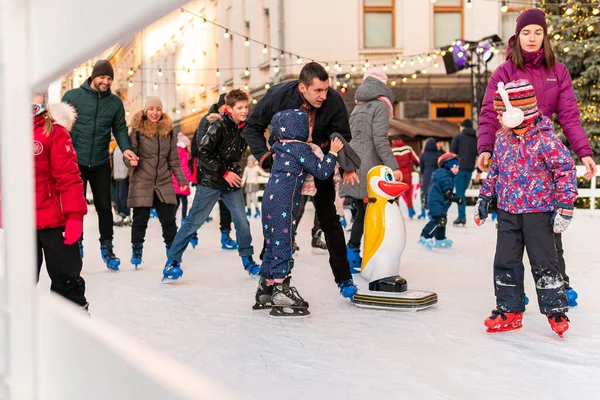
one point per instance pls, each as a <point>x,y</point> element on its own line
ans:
<point>343,352</point>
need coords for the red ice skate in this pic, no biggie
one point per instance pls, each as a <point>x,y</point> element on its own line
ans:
<point>559,323</point>
<point>500,321</point>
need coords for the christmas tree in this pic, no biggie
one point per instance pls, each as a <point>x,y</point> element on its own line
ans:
<point>574,31</point>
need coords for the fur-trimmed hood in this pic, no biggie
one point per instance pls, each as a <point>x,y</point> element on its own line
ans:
<point>214,117</point>
<point>62,114</point>
<point>140,123</point>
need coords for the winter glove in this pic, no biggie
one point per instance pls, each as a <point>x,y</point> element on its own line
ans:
<point>457,200</point>
<point>73,231</point>
<point>562,217</point>
<point>481,209</point>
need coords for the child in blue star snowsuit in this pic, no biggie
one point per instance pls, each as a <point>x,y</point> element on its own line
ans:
<point>293,160</point>
<point>440,196</point>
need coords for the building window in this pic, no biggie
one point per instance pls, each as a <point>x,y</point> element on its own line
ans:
<point>447,22</point>
<point>379,23</point>
<point>453,112</point>
<point>509,23</point>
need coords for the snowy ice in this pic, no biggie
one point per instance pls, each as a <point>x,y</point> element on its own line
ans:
<point>341,351</point>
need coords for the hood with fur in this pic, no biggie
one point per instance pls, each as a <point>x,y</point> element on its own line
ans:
<point>62,114</point>
<point>140,123</point>
<point>214,117</point>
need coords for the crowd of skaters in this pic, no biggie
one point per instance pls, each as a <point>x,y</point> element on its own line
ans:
<point>312,121</point>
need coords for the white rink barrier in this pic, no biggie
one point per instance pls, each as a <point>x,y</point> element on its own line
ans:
<point>80,357</point>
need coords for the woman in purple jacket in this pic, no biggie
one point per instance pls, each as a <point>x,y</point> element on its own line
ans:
<point>530,56</point>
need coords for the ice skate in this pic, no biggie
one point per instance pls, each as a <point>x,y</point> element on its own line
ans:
<point>136,254</point>
<point>459,222</point>
<point>153,213</point>
<point>348,289</point>
<point>263,296</point>
<point>250,265</point>
<point>354,259</point>
<point>443,243</point>
<point>287,302</point>
<point>194,240</point>
<point>571,297</point>
<point>108,256</point>
<point>500,321</point>
<point>248,212</point>
<point>319,246</point>
<point>427,243</point>
<point>559,323</point>
<point>257,213</point>
<point>227,243</point>
<point>171,272</point>
<point>411,213</point>
<point>423,214</point>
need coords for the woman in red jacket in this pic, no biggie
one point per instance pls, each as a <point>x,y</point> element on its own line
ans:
<point>60,205</point>
<point>531,56</point>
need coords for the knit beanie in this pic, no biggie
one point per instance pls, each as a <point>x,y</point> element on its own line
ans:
<point>521,94</point>
<point>152,101</point>
<point>377,74</point>
<point>221,101</point>
<point>182,138</point>
<point>103,68</point>
<point>532,16</point>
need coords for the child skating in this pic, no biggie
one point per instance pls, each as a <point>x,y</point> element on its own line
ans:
<point>294,159</point>
<point>533,177</point>
<point>250,184</point>
<point>440,196</point>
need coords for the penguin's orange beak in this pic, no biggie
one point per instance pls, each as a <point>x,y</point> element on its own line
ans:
<point>393,189</point>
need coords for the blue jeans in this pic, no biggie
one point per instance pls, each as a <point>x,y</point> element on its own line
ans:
<point>461,183</point>
<point>204,201</point>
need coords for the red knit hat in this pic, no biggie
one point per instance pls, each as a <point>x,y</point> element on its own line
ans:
<point>532,16</point>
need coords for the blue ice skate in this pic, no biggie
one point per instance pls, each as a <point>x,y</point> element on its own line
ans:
<point>108,256</point>
<point>343,222</point>
<point>249,212</point>
<point>571,297</point>
<point>227,243</point>
<point>136,254</point>
<point>427,243</point>
<point>443,243</point>
<point>250,266</point>
<point>494,215</point>
<point>153,213</point>
<point>257,213</point>
<point>194,240</point>
<point>348,289</point>
<point>411,212</point>
<point>423,214</point>
<point>354,259</point>
<point>171,272</point>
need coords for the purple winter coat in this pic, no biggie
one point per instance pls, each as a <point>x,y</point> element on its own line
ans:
<point>554,93</point>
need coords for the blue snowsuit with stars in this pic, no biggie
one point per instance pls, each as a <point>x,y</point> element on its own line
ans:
<point>281,199</point>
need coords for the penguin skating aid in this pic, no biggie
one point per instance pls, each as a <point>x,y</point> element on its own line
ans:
<point>385,240</point>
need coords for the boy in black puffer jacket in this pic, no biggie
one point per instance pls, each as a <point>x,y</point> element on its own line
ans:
<point>219,161</point>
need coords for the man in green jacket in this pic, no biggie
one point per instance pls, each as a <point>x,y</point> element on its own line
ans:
<point>98,113</point>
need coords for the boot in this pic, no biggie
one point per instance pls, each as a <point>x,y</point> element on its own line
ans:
<point>411,212</point>
<point>250,266</point>
<point>500,321</point>
<point>559,323</point>
<point>348,289</point>
<point>571,297</point>
<point>108,256</point>
<point>354,259</point>
<point>194,240</point>
<point>249,212</point>
<point>423,214</point>
<point>172,271</point>
<point>153,213</point>
<point>319,246</point>
<point>227,243</point>
<point>459,222</point>
<point>257,213</point>
<point>427,243</point>
<point>136,254</point>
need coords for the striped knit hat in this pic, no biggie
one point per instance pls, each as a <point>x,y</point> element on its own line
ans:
<point>521,94</point>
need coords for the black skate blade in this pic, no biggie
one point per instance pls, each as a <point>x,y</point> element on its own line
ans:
<point>297,312</point>
<point>259,306</point>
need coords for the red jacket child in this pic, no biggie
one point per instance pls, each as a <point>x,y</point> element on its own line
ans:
<point>58,185</point>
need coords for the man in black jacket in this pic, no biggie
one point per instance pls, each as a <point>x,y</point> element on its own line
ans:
<point>220,158</point>
<point>224,215</point>
<point>327,114</point>
<point>465,146</point>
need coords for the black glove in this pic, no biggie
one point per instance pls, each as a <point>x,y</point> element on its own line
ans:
<point>481,209</point>
<point>457,200</point>
<point>267,163</point>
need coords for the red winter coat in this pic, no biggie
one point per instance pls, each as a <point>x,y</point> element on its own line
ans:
<point>406,158</point>
<point>58,185</point>
<point>554,92</point>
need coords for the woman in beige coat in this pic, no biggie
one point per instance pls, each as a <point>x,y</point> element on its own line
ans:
<point>150,185</point>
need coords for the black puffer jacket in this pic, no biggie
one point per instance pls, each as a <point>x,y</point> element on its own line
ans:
<point>428,162</point>
<point>465,146</point>
<point>201,130</point>
<point>221,150</point>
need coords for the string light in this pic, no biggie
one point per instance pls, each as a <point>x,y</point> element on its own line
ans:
<point>327,67</point>
<point>265,49</point>
<point>247,72</point>
<point>218,73</point>
<point>569,11</point>
<point>267,86</point>
<point>130,71</point>
<point>155,86</point>
<point>298,60</point>
<point>130,83</point>
<point>276,69</point>
<point>246,42</point>
<point>226,34</point>
<point>504,7</point>
<point>246,87</point>
<point>178,87</point>
<point>469,4</point>
<point>405,79</point>
<point>160,72</point>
